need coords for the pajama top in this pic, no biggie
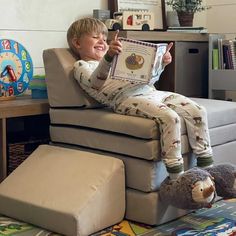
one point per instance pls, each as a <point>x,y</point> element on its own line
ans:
<point>94,78</point>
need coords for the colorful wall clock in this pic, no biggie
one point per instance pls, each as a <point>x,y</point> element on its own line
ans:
<point>16,68</point>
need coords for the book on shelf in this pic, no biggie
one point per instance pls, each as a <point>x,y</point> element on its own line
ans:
<point>137,61</point>
<point>220,51</point>
<point>185,29</point>
<point>226,54</point>
<point>215,59</point>
<point>232,49</point>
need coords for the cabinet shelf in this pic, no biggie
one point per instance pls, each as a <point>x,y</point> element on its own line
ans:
<point>223,79</point>
<point>220,81</point>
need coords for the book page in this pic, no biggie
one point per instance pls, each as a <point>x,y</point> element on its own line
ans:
<point>158,59</point>
<point>136,61</point>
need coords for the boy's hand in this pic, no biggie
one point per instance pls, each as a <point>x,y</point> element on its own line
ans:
<point>167,58</point>
<point>115,46</point>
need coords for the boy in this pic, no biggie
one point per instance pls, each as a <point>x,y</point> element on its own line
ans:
<point>87,39</point>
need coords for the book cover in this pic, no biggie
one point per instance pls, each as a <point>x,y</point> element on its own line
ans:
<point>227,57</point>
<point>215,59</point>
<point>220,50</point>
<point>232,46</point>
<point>137,60</point>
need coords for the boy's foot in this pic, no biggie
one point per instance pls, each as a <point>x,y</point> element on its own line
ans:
<point>225,179</point>
<point>194,189</point>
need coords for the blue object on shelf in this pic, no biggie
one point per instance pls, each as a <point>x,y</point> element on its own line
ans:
<point>38,87</point>
<point>39,93</point>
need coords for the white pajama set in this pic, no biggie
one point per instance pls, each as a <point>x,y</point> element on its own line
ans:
<point>165,108</point>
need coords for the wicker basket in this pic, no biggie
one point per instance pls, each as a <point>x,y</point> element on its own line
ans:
<point>18,152</point>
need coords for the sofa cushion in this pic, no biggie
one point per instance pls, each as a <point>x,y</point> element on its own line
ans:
<point>106,120</point>
<point>219,112</point>
<point>72,192</point>
<point>148,149</point>
<point>63,89</point>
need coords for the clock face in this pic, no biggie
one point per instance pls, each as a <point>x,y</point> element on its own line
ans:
<point>16,67</point>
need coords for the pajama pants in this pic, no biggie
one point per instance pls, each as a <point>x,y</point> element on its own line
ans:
<point>166,108</point>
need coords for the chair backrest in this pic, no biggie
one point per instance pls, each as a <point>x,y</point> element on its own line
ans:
<point>63,90</point>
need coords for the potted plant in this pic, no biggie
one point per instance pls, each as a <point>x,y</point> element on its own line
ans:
<point>185,10</point>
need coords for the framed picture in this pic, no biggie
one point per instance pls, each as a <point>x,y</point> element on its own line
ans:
<point>156,6</point>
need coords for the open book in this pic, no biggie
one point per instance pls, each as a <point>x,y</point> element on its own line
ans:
<point>138,60</point>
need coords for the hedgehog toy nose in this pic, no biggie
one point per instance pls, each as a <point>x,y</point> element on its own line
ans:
<point>208,191</point>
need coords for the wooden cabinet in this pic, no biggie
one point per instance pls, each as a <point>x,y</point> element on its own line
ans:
<point>188,72</point>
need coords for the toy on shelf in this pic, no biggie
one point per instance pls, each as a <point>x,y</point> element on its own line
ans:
<point>131,20</point>
<point>38,87</point>
<point>16,69</point>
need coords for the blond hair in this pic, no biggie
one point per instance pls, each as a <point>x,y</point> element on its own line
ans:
<point>84,26</point>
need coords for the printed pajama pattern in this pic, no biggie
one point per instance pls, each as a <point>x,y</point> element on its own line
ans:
<point>165,109</point>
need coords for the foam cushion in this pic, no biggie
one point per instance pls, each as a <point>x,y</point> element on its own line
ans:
<point>105,130</point>
<point>145,149</point>
<point>219,112</point>
<point>63,89</point>
<point>106,120</point>
<point>67,191</point>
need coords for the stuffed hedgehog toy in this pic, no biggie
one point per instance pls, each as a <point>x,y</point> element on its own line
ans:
<point>225,179</point>
<point>194,189</point>
<point>197,188</point>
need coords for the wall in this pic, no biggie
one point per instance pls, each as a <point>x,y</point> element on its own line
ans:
<point>221,17</point>
<point>42,24</point>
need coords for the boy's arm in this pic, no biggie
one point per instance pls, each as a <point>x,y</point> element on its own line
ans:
<point>91,75</point>
<point>99,76</point>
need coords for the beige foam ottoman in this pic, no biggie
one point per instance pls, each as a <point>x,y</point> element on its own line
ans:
<point>67,191</point>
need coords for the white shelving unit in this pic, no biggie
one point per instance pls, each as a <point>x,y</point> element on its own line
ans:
<point>219,80</point>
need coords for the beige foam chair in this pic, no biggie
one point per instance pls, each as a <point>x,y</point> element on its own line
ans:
<point>71,192</point>
<point>77,120</point>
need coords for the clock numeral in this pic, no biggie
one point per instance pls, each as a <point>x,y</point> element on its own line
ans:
<point>26,78</point>
<point>27,66</point>
<point>6,44</point>
<point>20,87</point>
<point>23,55</point>
<point>16,48</point>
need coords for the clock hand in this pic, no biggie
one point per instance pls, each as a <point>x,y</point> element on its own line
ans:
<point>4,72</point>
<point>11,73</point>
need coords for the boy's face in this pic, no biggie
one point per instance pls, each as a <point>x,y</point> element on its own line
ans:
<point>92,46</point>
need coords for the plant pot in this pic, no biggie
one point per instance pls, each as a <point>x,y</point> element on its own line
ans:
<point>185,18</point>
